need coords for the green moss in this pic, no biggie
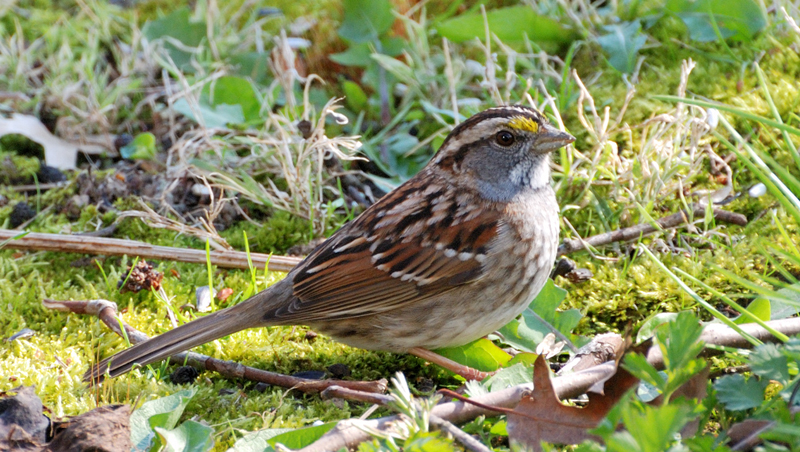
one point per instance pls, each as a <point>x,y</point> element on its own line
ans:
<point>16,168</point>
<point>279,233</point>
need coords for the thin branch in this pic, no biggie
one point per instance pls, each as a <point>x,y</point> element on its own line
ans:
<point>338,392</point>
<point>106,311</point>
<point>459,435</point>
<point>634,232</point>
<point>351,432</point>
<point>119,247</point>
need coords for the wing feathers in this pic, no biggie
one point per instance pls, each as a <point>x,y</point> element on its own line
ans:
<point>423,244</point>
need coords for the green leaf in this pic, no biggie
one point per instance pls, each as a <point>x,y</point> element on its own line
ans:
<point>736,393</point>
<point>680,340</point>
<point>301,437</point>
<point>365,20</point>
<point>760,307</point>
<point>622,44</point>
<point>190,436</point>
<point>257,441</point>
<point>768,361</point>
<point>402,71</point>
<point>211,116</point>
<point>652,428</point>
<point>227,101</point>
<point>739,20</point>
<point>648,328</point>
<point>252,65</point>
<point>638,366</point>
<point>355,55</point>
<point>143,147</point>
<point>355,97</point>
<point>510,376</point>
<point>481,354</point>
<point>523,358</point>
<point>540,318</point>
<point>163,413</point>
<point>500,428</point>
<point>510,24</point>
<point>179,26</point>
<point>231,90</point>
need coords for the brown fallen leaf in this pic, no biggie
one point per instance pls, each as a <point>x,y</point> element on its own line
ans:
<point>540,416</point>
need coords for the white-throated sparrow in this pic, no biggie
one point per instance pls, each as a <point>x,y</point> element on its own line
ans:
<point>451,255</point>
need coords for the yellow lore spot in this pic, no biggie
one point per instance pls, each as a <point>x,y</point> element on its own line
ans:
<point>523,123</point>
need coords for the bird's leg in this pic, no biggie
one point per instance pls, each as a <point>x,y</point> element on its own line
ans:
<point>459,369</point>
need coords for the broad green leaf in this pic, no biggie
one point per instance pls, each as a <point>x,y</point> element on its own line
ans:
<point>760,307</point>
<point>301,437</point>
<point>257,441</point>
<point>235,91</point>
<point>190,436</point>
<point>179,26</point>
<point>735,19</point>
<point>510,376</point>
<point>252,65</point>
<point>653,428</point>
<point>768,361</point>
<point>622,43</point>
<point>500,428</point>
<point>365,20</point>
<point>163,413</point>
<point>355,55</point>
<point>781,309</point>
<point>523,358</point>
<point>736,393</point>
<point>481,354</point>
<point>510,24</point>
<point>211,116</point>
<point>143,147</point>
<point>648,328</point>
<point>531,328</point>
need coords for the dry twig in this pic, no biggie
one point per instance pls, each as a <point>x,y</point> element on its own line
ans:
<point>120,247</point>
<point>642,229</point>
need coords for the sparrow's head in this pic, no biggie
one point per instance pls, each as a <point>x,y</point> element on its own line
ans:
<point>501,151</point>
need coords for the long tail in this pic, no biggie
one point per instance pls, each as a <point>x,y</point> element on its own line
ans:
<point>247,314</point>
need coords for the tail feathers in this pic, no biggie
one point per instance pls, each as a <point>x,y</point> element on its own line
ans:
<point>248,314</point>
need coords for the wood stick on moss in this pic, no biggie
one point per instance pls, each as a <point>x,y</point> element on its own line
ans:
<point>106,311</point>
<point>350,433</point>
<point>118,247</point>
<point>642,229</point>
<point>236,259</point>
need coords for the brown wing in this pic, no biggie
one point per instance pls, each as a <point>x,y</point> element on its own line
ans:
<point>414,243</point>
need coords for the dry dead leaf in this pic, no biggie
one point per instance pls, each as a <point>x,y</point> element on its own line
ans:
<point>540,416</point>
<point>58,152</point>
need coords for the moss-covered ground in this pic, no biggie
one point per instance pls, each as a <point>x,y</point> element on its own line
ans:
<point>603,189</point>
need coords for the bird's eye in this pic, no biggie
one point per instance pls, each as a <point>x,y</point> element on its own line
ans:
<point>504,138</point>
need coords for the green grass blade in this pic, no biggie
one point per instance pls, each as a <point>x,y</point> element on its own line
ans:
<point>734,305</point>
<point>733,110</point>
<point>711,309</point>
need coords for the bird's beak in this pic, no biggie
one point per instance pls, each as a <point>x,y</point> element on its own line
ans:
<point>549,139</point>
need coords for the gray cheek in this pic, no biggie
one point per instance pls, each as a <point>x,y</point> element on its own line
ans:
<point>499,175</point>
